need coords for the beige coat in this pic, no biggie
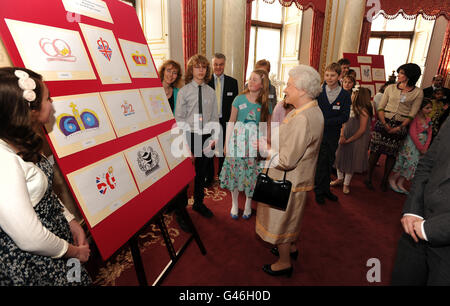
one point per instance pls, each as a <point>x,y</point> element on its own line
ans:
<point>300,136</point>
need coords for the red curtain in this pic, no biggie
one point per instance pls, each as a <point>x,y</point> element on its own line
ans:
<point>189,13</point>
<point>318,5</point>
<point>390,9</point>
<point>316,39</point>
<point>365,35</point>
<point>444,64</point>
<point>428,8</point>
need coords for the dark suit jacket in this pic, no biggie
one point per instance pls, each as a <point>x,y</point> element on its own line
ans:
<point>335,114</point>
<point>430,190</point>
<point>230,91</point>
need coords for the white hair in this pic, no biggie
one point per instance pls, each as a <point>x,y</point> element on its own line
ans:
<point>306,78</point>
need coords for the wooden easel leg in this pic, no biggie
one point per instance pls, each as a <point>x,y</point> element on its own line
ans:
<point>166,236</point>
<point>188,220</point>
<point>138,265</point>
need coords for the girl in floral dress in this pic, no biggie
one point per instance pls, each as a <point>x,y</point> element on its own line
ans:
<point>38,235</point>
<point>241,166</point>
<point>415,146</point>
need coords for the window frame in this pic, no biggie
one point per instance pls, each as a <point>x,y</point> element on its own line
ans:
<point>267,25</point>
<point>392,34</point>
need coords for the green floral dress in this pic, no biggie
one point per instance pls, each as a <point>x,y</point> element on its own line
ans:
<point>241,167</point>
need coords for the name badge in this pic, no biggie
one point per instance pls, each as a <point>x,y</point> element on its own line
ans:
<point>271,96</point>
<point>242,106</point>
<point>336,107</point>
<point>229,94</point>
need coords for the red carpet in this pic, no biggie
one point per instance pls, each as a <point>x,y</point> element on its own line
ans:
<point>336,242</point>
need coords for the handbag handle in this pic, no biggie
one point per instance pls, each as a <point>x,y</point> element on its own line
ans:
<point>270,162</point>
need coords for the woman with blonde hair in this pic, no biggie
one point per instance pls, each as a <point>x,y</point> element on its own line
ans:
<point>170,75</point>
<point>240,167</point>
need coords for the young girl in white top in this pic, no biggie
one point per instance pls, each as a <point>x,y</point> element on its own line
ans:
<point>37,234</point>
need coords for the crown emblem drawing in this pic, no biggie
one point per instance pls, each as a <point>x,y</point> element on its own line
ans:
<point>70,124</point>
<point>139,59</point>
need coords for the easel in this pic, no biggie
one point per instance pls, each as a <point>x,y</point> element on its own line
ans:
<point>174,256</point>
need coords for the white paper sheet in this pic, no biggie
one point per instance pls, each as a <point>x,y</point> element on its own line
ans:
<point>106,54</point>
<point>57,54</point>
<point>126,110</point>
<point>138,59</point>
<point>103,187</point>
<point>147,163</point>
<point>79,122</point>
<point>157,105</point>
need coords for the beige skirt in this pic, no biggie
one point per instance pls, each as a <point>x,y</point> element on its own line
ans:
<point>276,226</point>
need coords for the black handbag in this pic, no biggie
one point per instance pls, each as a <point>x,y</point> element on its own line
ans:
<point>272,192</point>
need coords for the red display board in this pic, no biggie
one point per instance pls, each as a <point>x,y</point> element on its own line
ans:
<point>369,70</point>
<point>117,228</point>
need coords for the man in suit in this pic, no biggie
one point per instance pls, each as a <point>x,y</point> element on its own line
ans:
<point>437,83</point>
<point>423,254</point>
<point>226,89</point>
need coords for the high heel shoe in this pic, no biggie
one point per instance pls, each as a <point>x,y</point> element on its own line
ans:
<point>287,272</point>
<point>275,252</point>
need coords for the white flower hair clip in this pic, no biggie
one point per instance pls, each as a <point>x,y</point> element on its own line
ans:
<point>356,88</point>
<point>27,84</point>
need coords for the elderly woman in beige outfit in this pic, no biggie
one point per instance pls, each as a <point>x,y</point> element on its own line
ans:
<point>300,135</point>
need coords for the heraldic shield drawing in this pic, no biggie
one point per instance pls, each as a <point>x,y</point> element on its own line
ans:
<point>147,162</point>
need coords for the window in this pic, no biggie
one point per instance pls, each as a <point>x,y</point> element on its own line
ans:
<point>265,35</point>
<point>400,41</point>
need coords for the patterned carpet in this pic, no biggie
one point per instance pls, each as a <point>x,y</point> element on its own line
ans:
<point>150,241</point>
<point>337,241</point>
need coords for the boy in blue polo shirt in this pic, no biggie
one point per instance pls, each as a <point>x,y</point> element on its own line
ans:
<point>335,104</point>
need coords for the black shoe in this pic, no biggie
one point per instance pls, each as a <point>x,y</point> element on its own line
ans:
<point>182,223</point>
<point>203,210</point>
<point>368,184</point>
<point>320,199</point>
<point>331,196</point>
<point>384,186</point>
<point>208,183</point>
<point>287,272</point>
<point>275,252</point>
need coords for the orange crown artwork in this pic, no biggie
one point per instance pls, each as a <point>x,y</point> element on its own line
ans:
<point>139,59</point>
